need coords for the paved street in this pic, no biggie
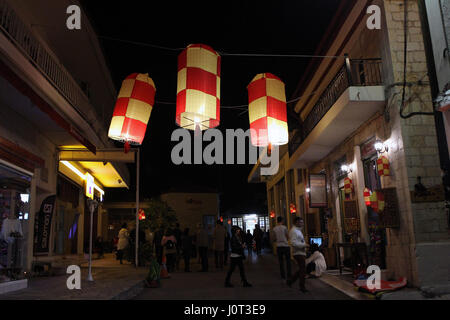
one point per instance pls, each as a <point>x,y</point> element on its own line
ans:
<point>262,272</point>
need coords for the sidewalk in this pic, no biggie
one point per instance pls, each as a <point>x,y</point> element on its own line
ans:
<point>344,283</point>
<point>111,281</point>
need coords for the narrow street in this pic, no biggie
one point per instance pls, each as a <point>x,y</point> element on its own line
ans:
<point>262,272</point>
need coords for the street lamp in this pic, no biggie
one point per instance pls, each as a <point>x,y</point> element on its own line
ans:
<point>92,205</point>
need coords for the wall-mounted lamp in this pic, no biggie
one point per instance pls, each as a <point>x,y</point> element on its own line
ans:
<point>381,147</point>
<point>346,168</point>
<point>308,190</point>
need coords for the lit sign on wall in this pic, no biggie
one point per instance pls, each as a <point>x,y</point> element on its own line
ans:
<point>89,186</point>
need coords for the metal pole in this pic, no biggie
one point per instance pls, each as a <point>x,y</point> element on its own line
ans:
<point>92,206</point>
<point>137,205</point>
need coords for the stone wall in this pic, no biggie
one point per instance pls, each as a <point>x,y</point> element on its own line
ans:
<point>414,149</point>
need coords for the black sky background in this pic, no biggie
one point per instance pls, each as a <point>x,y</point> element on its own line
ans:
<point>275,27</point>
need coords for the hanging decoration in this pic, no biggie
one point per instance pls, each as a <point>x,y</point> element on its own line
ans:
<point>267,111</point>
<point>198,90</point>
<point>221,219</point>
<point>348,186</point>
<point>377,201</point>
<point>292,208</point>
<point>367,194</point>
<point>272,214</point>
<point>141,215</point>
<point>132,111</point>
<point>383,166</point>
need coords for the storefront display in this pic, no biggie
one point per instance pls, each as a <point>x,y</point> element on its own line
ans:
<point>14,213</point>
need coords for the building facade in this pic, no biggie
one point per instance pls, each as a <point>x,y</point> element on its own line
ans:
<point>53,103</point>
<point>361,113</point>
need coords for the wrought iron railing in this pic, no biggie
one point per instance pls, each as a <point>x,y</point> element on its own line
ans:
<point>13,27</point>
<point>361,72</point>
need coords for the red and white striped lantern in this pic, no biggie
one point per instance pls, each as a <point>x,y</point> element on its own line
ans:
<point>198,90</point>
<point>367,194</point>
<point>377,201</point>
<point>267,111</point>
<point>383,166</point>
<point>133,108</point>
<point>348,186</point>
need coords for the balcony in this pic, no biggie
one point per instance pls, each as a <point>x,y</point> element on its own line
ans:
<point>352,97</point>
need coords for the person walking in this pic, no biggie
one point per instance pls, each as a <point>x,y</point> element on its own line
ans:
<point>122,244</point>
<point>249,244</point>
<point>169,243</point>
<point>186,248</point>
<point>177,233</point>
<point>219,244</point>
<point>202,245</point>
<point>236,257</point>
<point>299,253</point>
<point>280,238</point>
<point>258,237</point>
<point>226,248</point>
<point>157,244</point>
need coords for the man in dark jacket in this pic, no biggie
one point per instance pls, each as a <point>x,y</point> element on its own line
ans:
<point>258,236</point>
<point>237,256</point>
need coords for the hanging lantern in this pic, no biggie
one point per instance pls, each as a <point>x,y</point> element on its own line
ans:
<point>348,186</point>
<point>133,108</point>
<point>221,219</point>
<point>267,111</point>
<point>377,201</point>
<point>141,214</point>
<point>292,208</point>
<point>272,214</point>
<point>367,195</point>
<point>198,90</point>
<point>383,166</point>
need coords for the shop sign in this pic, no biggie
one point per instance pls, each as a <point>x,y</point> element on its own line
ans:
<point>42,226</point>
<point>318,191</point>
<point>89,186</point>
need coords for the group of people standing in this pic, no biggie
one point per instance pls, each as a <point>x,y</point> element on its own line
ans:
<point>315,263</point>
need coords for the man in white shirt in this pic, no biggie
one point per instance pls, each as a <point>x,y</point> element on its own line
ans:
<point>280,237</point>
<point>299,252</point>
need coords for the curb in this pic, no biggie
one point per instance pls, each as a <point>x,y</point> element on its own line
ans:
<point>131,292</point>
<point>343,286</point>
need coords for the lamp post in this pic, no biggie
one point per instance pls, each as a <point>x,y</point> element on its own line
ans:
<point>92,204</point>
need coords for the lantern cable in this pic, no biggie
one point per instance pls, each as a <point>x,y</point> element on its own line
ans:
<point>244,106</point>
<point>225,54</point>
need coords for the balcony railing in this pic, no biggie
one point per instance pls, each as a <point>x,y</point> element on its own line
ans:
<point>13,27</point>
<point>362,72</point>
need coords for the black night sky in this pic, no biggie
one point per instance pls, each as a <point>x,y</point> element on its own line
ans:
<point>275,27</point>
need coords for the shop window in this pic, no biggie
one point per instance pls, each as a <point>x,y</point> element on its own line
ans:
<point>14,215</point>
<point>238,222</point>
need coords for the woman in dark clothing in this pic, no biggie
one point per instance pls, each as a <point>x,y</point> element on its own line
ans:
<point>236,257</point>
<point>186,247</point>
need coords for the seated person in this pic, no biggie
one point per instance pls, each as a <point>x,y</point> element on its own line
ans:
<point>315,264</point>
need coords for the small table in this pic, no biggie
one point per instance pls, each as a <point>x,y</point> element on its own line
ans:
<point>356,250</point>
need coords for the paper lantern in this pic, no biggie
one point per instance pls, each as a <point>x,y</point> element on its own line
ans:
<point>267,111</point>
<point>141,214</point>
<point>367,195</point>
<point>133,108</point>
<point>383,166</point>
<point>292,208</point>
<point>348,186</point>
<point>377,201</point>
<point>198,90</point>
<point>272,214</point>
<point>221,219</point>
